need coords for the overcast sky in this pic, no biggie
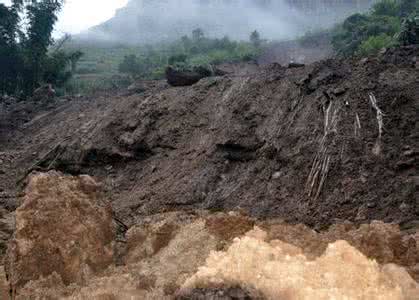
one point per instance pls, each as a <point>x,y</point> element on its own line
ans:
<point>78,15</point>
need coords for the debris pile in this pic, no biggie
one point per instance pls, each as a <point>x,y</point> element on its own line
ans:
<point>66,247</point>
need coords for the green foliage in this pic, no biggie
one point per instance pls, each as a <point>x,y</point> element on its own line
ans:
<point>130,65</point>
<point>364,34</point>
<point>409,8</point>
<point>24,55</point>
<point>409,34</point>
<point>150,62</point>
<point>94,83</point>
<point>386,8</point>
<point>101,63</point>
<point>374,44</point>
<point>55,68</point>
<point>177,59</point>
<point>10,61</point>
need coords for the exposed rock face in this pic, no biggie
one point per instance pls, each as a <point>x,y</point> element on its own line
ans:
<point>61,227</point>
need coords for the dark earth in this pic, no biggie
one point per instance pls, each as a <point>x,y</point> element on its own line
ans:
<point>302,144</point>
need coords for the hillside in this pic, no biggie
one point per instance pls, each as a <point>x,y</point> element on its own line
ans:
<point>302,143</point>
<point>153,21</point>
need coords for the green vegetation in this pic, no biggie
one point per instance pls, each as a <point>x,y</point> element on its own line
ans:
<point>196,50</point>
<point>26,57</point>
<point>390,22</point>
<point>111,66</point>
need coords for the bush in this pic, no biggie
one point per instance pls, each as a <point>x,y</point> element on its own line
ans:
<point>178,58</point>
<point>374,44</point>
<point>386,8</point>
<point>130,65</point>
<point>363,34</point>
<point>90,84</point>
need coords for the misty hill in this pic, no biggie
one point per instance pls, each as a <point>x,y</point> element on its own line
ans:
<point>152,21</point>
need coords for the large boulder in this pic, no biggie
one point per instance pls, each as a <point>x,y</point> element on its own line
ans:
<point>61,228</point>
<point>179,77</point>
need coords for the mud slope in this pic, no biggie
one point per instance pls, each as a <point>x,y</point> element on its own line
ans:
<point>330,141</point>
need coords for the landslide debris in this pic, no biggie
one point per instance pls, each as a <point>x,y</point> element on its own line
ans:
<point>190,255</point>
<point>282,271</point>
<point>332,145</point>
<point>62,228</point>
<point>334,140</point>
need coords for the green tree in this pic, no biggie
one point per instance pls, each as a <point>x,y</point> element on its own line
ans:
<point>383,26</point>
<point>408,7</point>
<point>130,65</point>
<point>42,16</point>
<point>409,34</point>
<point>10,61</point>
<point>24,55</point>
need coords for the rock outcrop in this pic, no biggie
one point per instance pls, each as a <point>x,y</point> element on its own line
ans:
<point>62,228</point>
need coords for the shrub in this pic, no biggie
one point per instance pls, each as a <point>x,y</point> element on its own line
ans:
<point>178,58</point>
<point>386,8</point>
<point>130,65</point>
<point>374,44</point>
<point>364,34</point>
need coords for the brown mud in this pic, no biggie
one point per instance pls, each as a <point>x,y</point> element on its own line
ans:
<point>332,142</point>
<point>65,247</point>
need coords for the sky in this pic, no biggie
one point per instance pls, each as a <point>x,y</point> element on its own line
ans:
<point>78,15</point>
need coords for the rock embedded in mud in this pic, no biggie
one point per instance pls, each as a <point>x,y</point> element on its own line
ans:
<point>184,77</point>
<point>61,227</point>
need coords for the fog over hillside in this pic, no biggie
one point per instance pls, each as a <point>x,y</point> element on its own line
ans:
<point>145,21</point>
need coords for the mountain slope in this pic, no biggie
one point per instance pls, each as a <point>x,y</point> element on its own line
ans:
<point>152,21</point>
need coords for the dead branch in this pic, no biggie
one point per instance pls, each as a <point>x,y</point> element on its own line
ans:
<point>380,115</point>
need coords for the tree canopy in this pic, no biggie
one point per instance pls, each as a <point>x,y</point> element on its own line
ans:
<point>25,55</point>
<point>390,22</point>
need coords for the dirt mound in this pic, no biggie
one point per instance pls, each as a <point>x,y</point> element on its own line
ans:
<point>382,242</point>
<point>320,144</point>
<point>335,140</point>
<point>164,252</point>
<point>61,228</point>
<point>281,271</point>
